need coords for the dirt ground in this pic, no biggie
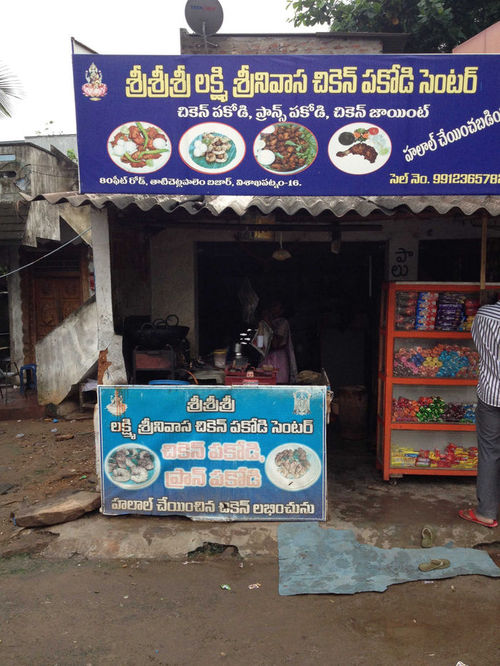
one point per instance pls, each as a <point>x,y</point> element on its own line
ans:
<point>37,465</point>
<point>91,613</point>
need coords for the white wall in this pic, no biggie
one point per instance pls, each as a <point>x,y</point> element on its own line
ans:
<point>173,257</point>
<point>173,271</point>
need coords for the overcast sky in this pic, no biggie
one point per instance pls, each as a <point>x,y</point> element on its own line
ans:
<point>36,45</point>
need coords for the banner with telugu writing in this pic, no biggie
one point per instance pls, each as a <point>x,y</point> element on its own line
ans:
<point>288,125</point>
<point>214,453</point>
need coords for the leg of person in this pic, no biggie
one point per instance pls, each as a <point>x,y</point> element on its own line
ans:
<point>488,469</point>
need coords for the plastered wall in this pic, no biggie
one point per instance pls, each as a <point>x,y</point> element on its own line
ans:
<point>173,257</point>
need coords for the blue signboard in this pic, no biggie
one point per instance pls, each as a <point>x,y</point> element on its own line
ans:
<point>214,453</point>
<point>288,125</point>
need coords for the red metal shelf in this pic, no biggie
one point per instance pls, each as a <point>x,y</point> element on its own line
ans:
<point>453,335</point>
<point>431,381</point>
<point>388,334</point>
<point>459,427</point>
<point>442,471</point>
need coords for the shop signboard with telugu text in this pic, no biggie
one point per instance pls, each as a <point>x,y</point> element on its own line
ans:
<point>288,125</point>
<point>214,453</point>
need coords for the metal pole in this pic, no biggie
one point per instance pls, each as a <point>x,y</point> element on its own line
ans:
<point>204,29</point>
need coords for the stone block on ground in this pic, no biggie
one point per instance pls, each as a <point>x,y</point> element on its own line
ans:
<point>59,509</point>
<point>67,407</point>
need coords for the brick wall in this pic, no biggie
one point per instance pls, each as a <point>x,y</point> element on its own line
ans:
<point>297,44</point>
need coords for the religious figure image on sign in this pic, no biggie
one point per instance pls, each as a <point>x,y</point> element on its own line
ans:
<point>285,148</point>
<point>94,89</point>
<point>132,468</point>
<point>139,147</point>
<point>212,147</point>
<point>116,405</point>
<point>293,467</point>
<point>359,148</point>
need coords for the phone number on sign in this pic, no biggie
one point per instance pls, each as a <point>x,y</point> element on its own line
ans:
<point>466,178</point>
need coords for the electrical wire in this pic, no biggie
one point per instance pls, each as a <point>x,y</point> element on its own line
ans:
<point>45,255</point>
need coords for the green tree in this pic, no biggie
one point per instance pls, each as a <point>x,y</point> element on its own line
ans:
<point>433,26</point>
<point>10,88</point>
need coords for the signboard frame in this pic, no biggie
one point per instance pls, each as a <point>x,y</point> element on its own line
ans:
<point>289,125</point>
<point>214,452</point>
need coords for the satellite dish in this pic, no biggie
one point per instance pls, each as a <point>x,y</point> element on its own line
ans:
<point>204,17</point>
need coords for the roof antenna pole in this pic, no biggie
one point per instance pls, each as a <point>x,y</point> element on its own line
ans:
<point>205,40</point>
<point>204,31</point>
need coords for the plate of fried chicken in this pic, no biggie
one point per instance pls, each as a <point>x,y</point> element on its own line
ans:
<point>359,148</point>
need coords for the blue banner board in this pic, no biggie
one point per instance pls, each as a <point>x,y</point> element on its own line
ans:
<point>214,453</point>
<point>288,125</point>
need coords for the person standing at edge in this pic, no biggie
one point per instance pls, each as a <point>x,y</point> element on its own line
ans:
<point>486,336</point>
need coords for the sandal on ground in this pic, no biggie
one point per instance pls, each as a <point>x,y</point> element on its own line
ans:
<point>470,515</point>
<point>427,537</point>
<point>434,564</point>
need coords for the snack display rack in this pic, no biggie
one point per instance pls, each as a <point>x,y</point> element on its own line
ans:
<point>427,376</point>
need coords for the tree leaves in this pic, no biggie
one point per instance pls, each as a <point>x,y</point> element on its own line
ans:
<point>432,26</point>
<point>10,88</point>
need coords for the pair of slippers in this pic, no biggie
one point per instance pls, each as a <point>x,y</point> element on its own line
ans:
<point>470,515</point>
<point>428,536</point>
<point>428,539</point>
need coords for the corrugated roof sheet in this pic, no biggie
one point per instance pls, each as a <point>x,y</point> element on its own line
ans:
<point>339,206</point>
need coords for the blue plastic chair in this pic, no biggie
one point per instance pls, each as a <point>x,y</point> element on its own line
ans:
<point>168,381</point>
<point>27,377</point>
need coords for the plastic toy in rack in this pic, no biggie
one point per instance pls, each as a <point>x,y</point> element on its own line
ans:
<point>453,456</point>
<point>426,310</point>
<point>406,310</point>
<point>450,311</point>
<point>430,310</point>
<point>471,306</point>
<point>429,409</point>
<point>441,360</point>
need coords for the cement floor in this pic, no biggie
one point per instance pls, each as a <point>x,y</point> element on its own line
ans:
<point>379,513</point>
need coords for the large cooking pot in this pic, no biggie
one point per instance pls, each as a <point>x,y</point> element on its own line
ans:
<point>161,332</point>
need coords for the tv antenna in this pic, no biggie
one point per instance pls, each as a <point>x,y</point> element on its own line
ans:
<point>205,18</point>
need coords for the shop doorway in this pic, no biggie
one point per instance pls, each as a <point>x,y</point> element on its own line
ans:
<point>331,300</point>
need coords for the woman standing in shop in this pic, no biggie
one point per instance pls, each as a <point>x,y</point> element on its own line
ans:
<point>281,354</point>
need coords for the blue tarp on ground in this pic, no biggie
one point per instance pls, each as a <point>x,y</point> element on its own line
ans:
<point>314,560</point>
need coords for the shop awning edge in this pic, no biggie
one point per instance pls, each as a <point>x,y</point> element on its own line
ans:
<point>339,206</point>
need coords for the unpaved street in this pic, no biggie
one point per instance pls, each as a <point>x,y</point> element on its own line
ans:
<point>79,613</point>
<point>36,463</point>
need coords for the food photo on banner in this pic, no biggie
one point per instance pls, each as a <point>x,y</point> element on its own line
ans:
<point>225,453</point>
<point>293,125</point>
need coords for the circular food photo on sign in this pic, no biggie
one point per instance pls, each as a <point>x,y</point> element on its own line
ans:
<point>212,147</point>
<point>132,467</point>
<point>285,148</point>
<point>359,148</point>
<point>293,467</point>
<point>139,147</point>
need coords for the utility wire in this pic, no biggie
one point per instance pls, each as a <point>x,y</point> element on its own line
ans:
<point>45,255</point>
